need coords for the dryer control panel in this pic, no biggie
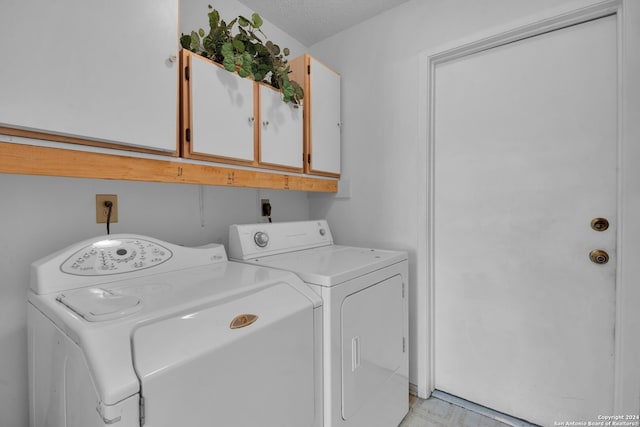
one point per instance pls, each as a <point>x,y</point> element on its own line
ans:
<point>250,240</point>
<point>115,256</point>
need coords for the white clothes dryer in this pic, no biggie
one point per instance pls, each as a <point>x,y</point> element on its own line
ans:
<point>127,330</point>
<point>365,315</point>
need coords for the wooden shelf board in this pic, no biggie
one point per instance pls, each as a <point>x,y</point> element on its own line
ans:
<point>36,160</point>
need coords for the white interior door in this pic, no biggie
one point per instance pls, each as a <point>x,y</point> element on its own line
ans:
<point>525,158</point>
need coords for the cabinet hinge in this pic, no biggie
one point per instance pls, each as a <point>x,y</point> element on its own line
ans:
<point>404,345</point>
<point>309,158</point>
<point>187,134</point>
<point>142,414</point>
<point>402,289</point>
<point>308,69</point>
<point>186,73</point>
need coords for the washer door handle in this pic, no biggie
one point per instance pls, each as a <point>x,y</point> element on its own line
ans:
<point>242,320</point>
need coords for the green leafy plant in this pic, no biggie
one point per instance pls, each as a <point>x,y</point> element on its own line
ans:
<point>243,51</point>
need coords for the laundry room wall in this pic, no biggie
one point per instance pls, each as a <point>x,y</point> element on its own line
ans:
<point>378,61</point>
<point>379,64</point>
<point>40,215</point>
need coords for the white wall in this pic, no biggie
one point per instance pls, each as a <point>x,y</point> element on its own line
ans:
<point>379,64</point>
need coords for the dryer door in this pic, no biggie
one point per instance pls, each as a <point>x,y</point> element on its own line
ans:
<point>372,345</point>
<point>221,366</point>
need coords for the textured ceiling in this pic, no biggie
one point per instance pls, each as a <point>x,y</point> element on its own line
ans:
<point>310,21</point>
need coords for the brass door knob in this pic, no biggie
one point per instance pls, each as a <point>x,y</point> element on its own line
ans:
<point>599,256</point>
<point>599,224</point>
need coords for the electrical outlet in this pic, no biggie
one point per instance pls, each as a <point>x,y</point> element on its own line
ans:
<point>265,207</point>
<point>102,211</point>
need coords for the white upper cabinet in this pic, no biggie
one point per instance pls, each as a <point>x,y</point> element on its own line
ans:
<point>230,119</point>
<point>219,120</point>
<point>322,115</point>
<point>105,72</point>
<point>281,127</point>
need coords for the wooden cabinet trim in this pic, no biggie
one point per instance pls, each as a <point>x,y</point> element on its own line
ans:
<point>45,161</point>
<point>301,72</point>
<point>186,122</point>
<point>186,100</point>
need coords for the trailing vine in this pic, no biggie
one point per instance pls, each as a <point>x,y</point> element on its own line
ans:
<point>239,48</point>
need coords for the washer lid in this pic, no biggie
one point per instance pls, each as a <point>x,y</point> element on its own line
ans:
<point>244,362</point>
<point>96,304</point>
<point>331,265</point>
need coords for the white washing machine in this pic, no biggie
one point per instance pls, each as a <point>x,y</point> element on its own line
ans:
<point>126,330</point>
<point>365,315</point>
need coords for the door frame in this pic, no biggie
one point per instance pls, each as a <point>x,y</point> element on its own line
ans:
<point>627,320</point>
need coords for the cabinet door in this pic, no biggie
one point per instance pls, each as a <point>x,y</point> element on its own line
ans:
<point>280,131</point>
<point>222,113</point>
<point>324,140</point>
<point>102,72</point>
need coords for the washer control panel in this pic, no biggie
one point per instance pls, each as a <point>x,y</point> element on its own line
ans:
<point>115,256</point>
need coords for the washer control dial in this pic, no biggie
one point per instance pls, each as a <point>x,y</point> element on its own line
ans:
<point>115,256</point>
<point>261,238</point>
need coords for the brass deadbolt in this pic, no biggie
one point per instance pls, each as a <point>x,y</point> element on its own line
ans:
<point>599,224</point>
<point>599,256</point>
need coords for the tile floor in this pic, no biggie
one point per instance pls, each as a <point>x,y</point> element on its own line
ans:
<point>438,413</point>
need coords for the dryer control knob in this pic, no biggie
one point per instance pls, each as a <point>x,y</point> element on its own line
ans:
<point>323,232</point>
<point>261,238</point>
